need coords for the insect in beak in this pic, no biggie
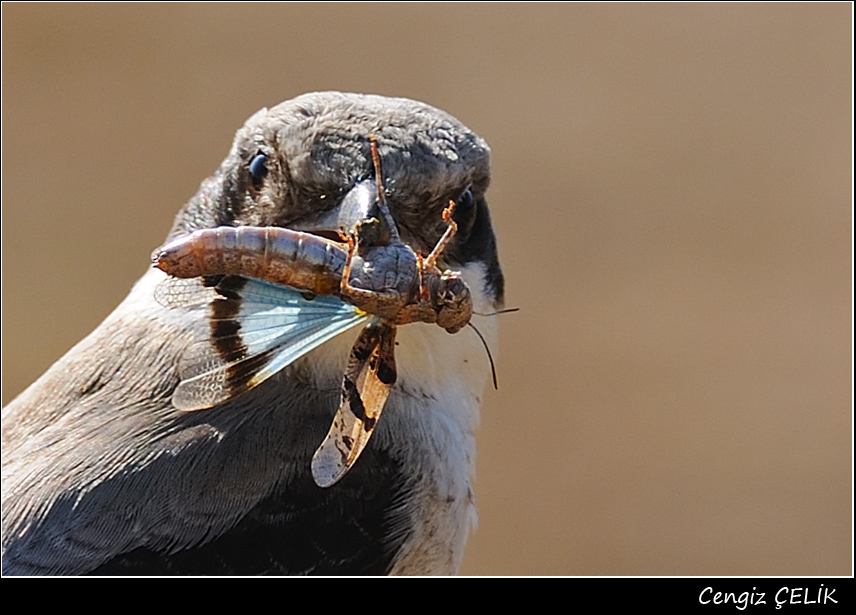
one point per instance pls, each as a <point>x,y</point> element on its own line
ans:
<point>261,318</point>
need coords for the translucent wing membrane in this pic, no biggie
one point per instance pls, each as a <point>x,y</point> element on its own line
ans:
<point>255,328</point>
<point>184,293</point>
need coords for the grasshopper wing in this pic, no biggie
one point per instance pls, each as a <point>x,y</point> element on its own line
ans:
<point>368,379</point>
<point>252,330</point>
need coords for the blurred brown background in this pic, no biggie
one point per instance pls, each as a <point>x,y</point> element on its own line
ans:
<point>672,197</point>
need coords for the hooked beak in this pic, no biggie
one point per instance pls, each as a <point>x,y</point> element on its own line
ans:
<point>360,203</point>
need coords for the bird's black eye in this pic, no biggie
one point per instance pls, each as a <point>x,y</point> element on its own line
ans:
<point>258,170</point>
<point>465,201</point>
<point>465,213</point>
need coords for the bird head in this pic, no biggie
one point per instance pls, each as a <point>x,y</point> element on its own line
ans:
<point>306,164</point>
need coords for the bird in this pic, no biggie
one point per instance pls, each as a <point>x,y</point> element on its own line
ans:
<point>103,475</point>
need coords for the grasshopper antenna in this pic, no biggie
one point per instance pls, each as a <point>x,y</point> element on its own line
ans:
<point>484,343</point>
<point>497,313</point>
<point>489,357</point>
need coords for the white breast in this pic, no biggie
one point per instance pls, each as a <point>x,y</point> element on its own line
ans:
<point>429,423</point>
